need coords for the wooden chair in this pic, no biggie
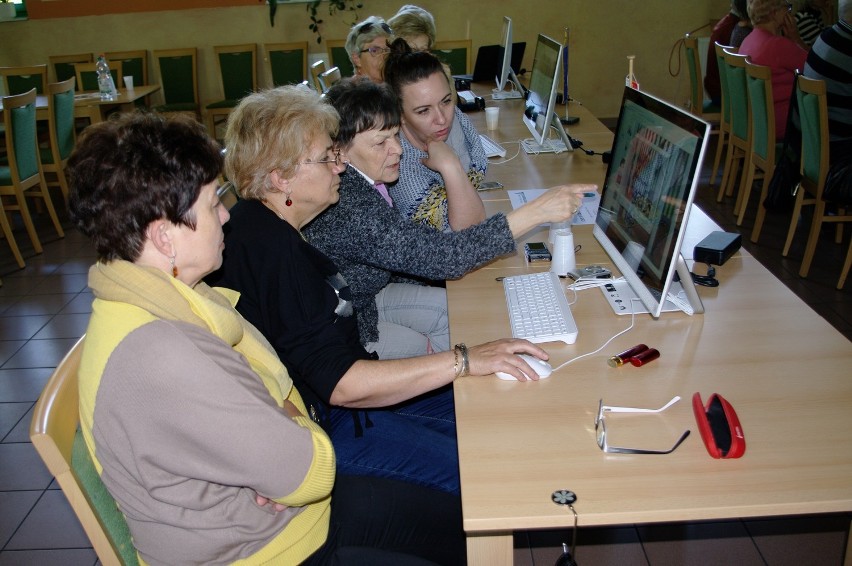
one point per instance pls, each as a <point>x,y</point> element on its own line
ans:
<point>725,114</point>
<point>134,64</point>
<point>813,114</point>
<point>87,75</point>
<point>288,62</point>
<point>456,54</point>
<point>317,69</point>
<point>178,70</point>
<point>238,76</point>
<point>329,78</point>
<point>55,436</point>
<point>60,110</point>
<point>739,143</point>
<point>63,65</point>
<point>17,80</point>
<point>24,177</point>
<point>338,57</point>
<point>762,112</point>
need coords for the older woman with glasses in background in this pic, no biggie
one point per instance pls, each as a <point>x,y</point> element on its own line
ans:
<point>367,46</point>
<point>775,43</point>
<point>416,26</point>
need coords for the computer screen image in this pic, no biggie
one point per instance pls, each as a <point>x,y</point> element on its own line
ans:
<point>539,112</point>
<point>645,202</point>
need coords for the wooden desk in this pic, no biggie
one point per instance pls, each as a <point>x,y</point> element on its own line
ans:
<point>784,369</point>
<point>89,105</point>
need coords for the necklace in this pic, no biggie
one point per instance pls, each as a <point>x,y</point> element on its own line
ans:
<point>268,205</point>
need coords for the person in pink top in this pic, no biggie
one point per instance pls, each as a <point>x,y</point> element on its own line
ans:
<point>775,43</point>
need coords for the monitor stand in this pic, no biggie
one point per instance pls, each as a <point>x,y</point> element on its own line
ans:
<point>623,300</point>
<point>516,90</point>
<point>550,145</point>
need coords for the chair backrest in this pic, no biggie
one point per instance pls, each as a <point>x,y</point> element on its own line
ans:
<point>63,65</point>
<point>87,74</point>
<point>133,63</point>
<point>19,119</point>
<point>813,116</point>
<point>338,57</point>
<point>54,435</point>
<point>456,54</point>
<point>237,69</point>
<point>719,51</point>
<point>178,75</point>
<point>288,62</point>
<point>317,69</point>
<point>330,77</point>
<point>761,110</point>
<point>228,195</point>
<point>60,111</point>
<point>735,68</point>
<point>17,80</point>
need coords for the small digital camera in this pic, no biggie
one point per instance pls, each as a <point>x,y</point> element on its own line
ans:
<point>536,251</point>
<point>590,272</point>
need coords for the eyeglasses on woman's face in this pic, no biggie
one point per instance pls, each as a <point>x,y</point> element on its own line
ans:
<point>376,51</point>
<point>369,25</point>
<point>336,160</point>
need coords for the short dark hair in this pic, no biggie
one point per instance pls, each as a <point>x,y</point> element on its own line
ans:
<point>363,105</point>
<point>126,173</point>
<point>404,66</point>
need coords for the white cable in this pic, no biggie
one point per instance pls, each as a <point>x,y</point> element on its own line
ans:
<point>605,344</point>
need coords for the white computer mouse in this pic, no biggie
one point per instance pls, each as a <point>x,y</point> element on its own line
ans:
<point>541,367</point>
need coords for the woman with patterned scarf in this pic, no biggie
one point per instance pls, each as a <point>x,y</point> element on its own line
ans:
<point>443,162</point>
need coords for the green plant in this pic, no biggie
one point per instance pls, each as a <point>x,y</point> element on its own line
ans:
<point>334,6</point>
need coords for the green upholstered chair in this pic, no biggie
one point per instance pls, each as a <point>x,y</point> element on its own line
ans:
<point>739,142</point>
<point>813,116</point>
<point>725,114</point>
<point>63,65</point>
<point>17,80</point>
<point>178,69</point>
<point>55,435</point>
<point>60,110</point>
<point>87,75</point>
<point>456,54</point>
<point>23,178</point>
<point>134,64</point>
<point>288,62</point>
<point>238,77</point>
<point>338,57</point>
<point>763,147</point>
<point>317,69</point>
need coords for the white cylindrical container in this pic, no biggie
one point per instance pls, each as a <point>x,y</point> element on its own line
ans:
<point>563,259</point>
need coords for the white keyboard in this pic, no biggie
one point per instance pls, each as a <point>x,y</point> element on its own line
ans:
<point>549,146</point>
<point>505,94</point>
<point>491,147</point>
<point>538,309</point>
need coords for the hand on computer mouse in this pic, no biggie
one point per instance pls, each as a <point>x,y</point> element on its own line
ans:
<point>509,356</point>
<point>540,369</point>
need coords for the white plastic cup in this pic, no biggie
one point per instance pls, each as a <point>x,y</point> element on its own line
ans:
<point>128,82</point>
<point>492,117</point>
<point>555,227</point>
<point>563,259</point>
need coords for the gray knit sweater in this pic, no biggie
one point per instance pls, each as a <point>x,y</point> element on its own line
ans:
<point>370,242</point>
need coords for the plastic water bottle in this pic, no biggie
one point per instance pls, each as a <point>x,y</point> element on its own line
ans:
<point>106,86</point>
<point>630,80</point>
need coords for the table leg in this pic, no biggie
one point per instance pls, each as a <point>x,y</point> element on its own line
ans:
<point>491,549</point>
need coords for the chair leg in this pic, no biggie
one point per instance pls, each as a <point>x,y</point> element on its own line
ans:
<point>813,237</point>
<point>745,189</point>
<point>761,210</point>
<point>842,281</point>
<point>794,221</point>
<point>48,202</point>
<point>28,220</point>
<point>720,148</point>
<point>726,172</point>
<point>7,231</point>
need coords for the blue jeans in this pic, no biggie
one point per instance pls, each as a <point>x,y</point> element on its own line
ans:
<point>413,442</point>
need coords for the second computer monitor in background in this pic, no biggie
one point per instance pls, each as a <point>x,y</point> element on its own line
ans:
<point>507,76</point>
<point>539,111</point>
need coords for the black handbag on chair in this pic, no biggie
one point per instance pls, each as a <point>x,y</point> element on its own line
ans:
<point>785,179</point>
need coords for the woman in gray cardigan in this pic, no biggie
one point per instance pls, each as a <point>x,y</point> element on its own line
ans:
<point>377,250</point>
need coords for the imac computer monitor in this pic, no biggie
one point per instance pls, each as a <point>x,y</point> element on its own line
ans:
<point>645,202</point>
<point>507,76</point>
<point>539,113</point>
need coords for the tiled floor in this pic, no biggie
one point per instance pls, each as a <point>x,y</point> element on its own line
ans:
<point>44,309</point>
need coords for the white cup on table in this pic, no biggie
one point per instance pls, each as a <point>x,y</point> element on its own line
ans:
<point>128,82</point>
<point>492,117</point>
